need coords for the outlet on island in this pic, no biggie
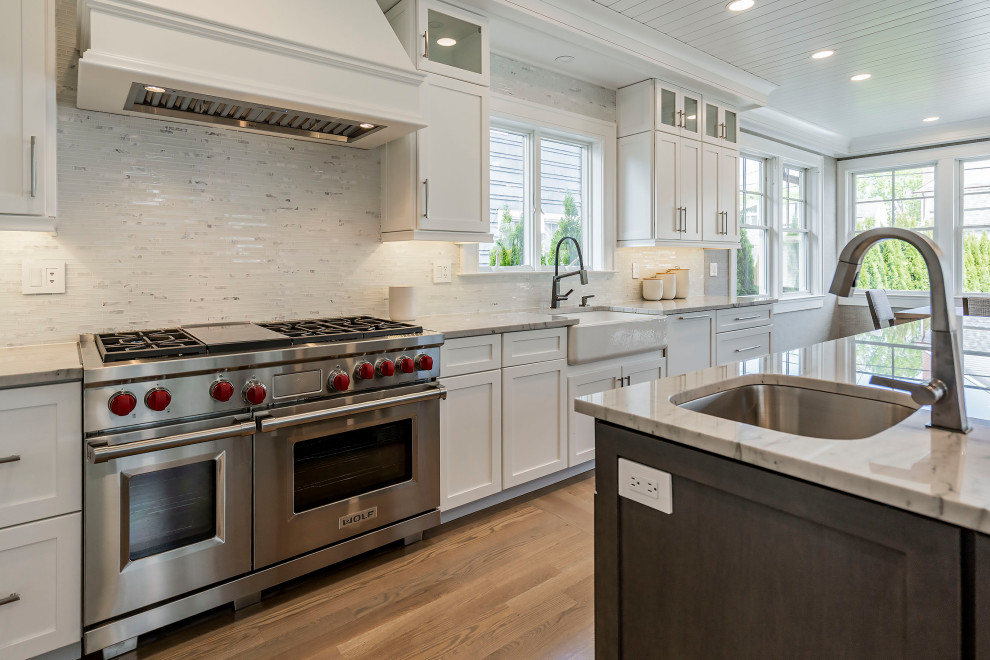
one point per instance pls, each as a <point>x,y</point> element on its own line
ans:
<point>645,485</point>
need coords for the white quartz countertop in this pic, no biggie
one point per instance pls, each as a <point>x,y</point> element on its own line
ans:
<point>689,304</point>
<point>934,473</point>
<point>43,364</point>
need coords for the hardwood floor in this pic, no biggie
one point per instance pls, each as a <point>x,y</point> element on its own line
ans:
<point>515,581</point>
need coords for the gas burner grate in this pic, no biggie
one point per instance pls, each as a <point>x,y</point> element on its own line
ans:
<point>345,328</point>
<point>138,344</point>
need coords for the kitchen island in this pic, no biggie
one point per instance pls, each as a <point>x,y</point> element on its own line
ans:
<point>784,545</point>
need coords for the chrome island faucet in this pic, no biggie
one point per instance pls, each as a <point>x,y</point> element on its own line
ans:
<point>945,391</point>
<point>555,295</point>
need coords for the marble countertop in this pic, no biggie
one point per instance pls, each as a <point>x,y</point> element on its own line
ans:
<point>488,323</point>
<point>934,473</point>
<point>43,364</point>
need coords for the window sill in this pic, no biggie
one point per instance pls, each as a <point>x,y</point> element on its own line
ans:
<point>898,300</point>
<point>798,304</point>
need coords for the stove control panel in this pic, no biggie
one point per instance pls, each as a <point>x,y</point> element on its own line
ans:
<point>236,391</point>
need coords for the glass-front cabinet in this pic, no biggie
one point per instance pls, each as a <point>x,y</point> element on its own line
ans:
<point>721,124</point>
<point>453,42</point>
<point>678,111</point>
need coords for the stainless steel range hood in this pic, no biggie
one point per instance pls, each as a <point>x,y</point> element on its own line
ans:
<point>319,70</point>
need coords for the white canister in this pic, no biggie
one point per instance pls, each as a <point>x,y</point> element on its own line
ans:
<point>683,281</point>
<point>669,285</point>
<point>402,303</point>
<point>652,288</point>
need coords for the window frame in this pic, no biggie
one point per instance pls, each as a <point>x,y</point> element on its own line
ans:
<point>805,230</point>
<point>598,225</point>
<point>960,225</point>
<point>767,226</point>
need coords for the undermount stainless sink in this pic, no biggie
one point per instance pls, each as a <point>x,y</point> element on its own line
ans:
<point>601,335</point>
<point>796,406</point>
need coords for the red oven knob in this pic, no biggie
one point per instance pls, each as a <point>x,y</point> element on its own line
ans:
<point>424,362</point>
<point>365,371</point>
<point>158,399</point>
<point>222,390</point>
<point>339,381</point>
<point>405,365</point>
<point>122,404</point>
<point>255,392</point>
<point>385,367</point>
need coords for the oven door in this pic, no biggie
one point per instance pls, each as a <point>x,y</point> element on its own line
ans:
<point>165,514</point>
<point>328,471</point>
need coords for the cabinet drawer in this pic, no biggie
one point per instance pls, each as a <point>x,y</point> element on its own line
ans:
<point>40,452</point>
<point>533,346</point>
<point>40,580</point>
<point>468,355</point>
<point>738,318</point>
<point>742,344</point>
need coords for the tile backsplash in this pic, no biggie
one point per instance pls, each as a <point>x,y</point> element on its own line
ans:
<point>163,223</point>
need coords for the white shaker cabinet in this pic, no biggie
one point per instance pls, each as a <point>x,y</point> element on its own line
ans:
<point>689,342</point>
<point>443,39</point>
<point>534,421</point>
<point>470,438</point>
<point>721,125</point>
<point>720,197</point>
<point>655,105</point>
<point>27,115</point>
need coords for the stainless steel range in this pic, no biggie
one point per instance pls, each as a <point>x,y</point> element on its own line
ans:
<point>224,459</point>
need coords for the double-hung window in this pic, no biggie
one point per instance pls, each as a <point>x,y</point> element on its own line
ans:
<point>541,191</point>
<point>975,208</point>
<point>902,198</point>
<point>754,227</point>
<point>795,236</point>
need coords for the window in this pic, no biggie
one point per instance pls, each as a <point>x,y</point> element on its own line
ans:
<point>754,227</point>
<point>794,231</point>
<point>976,226</point>
<point>903,198</point>
<point>540,192</point>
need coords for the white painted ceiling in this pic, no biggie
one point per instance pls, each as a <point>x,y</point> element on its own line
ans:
<point>926,57</point>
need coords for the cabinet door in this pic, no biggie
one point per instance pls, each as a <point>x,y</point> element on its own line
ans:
<point>580,427</point>
<point>712,224</point>
<point>453,42</point>
<point>668,108</point>
<point>636,194</point>
<point>642,371</point>
<point>690,107</point>
<point>40,581</point>
<point>689,343</point>
<point>713,131</point>
<point>40,452</point>
<point>689,189</point>
<point>730,126</point>
<point>24,114</point>
<point>728,193</point>
<point>470,438</point>
<point>534,421</point>
<point>453,159</point>
<point>669,217</point>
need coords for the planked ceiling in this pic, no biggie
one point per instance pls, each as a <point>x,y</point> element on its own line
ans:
<point>926,57</point>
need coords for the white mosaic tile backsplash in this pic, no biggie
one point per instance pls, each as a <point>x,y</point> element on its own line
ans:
<point>162,224</point>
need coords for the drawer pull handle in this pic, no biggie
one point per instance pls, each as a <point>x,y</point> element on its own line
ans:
<point>10,459</point>
<point>747,318</point>
<point>700,316</point>
<point>12,598</point>
<point>748,348</point>
<point>34,166</point>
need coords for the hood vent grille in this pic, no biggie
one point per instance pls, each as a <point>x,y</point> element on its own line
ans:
<point>241,114</point>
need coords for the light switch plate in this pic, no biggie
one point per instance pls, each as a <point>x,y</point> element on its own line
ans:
<point>645,485</point>
<point>635,271</point>
<point>42,277</point>
<point>713,269</point>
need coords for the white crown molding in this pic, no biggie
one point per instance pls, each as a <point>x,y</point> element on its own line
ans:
<point>974,129</point>
<point>781,126</point>
<point>588,24</point>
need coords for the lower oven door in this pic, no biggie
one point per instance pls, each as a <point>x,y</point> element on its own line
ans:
<point>328,471</point>
<point>165,514</point>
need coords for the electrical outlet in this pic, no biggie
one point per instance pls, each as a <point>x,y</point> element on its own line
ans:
<point>635,271</point>
<point>713,269</point>
<point>441,272</point>
<point>42,277</point>
<point>645,485</point>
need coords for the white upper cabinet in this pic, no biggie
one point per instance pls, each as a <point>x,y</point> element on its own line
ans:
<point>655,105</point>
<point>443,39</point>
<point>720,197</point>
<point>27,116</point>
<point>721,125</point>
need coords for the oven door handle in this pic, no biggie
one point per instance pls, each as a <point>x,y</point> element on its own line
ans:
<point>104,453</point>
<point>274,423</point>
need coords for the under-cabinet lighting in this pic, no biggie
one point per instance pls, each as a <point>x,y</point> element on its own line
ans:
<point>446,41</point>
<point>822,54</point>
<point>740,5</point>
<point>861,76</point>
<point>155,89</point>
<point>366,125</point>
<point>930,119</point>
<point>564,59</point>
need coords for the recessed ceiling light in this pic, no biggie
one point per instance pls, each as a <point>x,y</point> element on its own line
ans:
<point>367,125</point>
<point>860,76</point>
<point>930,119</point>
<point>155,89</point>
<point>822,54</point>
<point>446,41</point>
<point>564,59</point>
<point>740,5</point>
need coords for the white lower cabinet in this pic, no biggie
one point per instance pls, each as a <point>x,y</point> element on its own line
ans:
<point>470,438</point>
<point>689,342</point>
<point>534,421</point>
<point>40,586</point>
